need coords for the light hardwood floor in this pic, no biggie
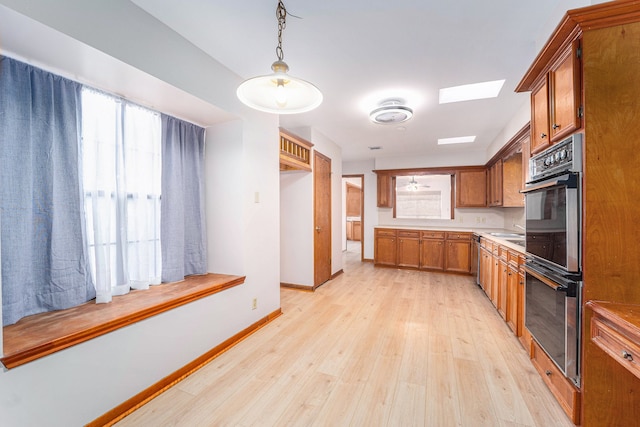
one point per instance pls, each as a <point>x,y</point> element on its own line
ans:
<point>373,347</point>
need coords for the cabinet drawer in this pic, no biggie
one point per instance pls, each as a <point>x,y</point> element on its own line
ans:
<point>562,388</point>
<point>458,236</point>
<point>409,234</point>
<point>512,258</point>
<point>623,347</point>
<point>433,234</point>
<point>385,232</point>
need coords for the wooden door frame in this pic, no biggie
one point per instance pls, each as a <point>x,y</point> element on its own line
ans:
<point>361,176</point>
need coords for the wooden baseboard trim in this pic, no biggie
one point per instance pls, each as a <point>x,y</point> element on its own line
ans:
<point>298,287</point>
<point>336,274</point>
<point>367,259</point>
<point>137,401</point>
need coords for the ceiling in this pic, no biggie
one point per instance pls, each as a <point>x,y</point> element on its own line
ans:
<point>359,52</point>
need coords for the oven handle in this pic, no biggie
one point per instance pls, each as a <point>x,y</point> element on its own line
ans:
<point>570,180</point>
<point>565,286</point>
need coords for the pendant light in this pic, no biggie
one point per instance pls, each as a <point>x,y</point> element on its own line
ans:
<point>279,92</point>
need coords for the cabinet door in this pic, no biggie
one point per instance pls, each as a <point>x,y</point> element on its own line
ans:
<point>495,278</point>
<point>349,230</point>
<point>564,80</point>
<point>520,309</point>
<point>495,184</point>
<point>385,196</point>
<point>408,252</point>
<point>385,247</point>
<point>502,288</point>
<point>512,299</point>
<point>458,256</point>
<point>485,271</point>
<point>540,118</point>
<point>471,188</point>
<point>432,254</point>
<point>512,181</point>
<point>357,230</point>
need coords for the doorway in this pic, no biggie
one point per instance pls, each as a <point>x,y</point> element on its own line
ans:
<point>353,216</point>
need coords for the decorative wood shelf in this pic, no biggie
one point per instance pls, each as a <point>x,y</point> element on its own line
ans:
<point>295,152</point>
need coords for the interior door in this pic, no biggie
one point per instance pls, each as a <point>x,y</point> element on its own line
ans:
<point>322,218</point>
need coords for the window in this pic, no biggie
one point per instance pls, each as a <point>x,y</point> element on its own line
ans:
<point>121,164</point>
<point>423,197</point>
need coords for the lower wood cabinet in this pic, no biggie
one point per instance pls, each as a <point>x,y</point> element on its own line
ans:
<point>429,250</point>
<point>385,247</point>
<point>565,392</point>
<point>458,254</point>
<point>432,254</point>
<point>408,248</point>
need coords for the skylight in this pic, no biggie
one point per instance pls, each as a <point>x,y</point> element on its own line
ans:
<point>456,140</point>
<point>471,91</point>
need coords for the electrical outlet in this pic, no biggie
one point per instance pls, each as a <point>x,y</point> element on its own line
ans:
<point>484,220</point>
<point>254,304</point>
<point>478,219</point>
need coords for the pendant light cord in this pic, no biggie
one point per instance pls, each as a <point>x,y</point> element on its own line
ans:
<point>281,15</point>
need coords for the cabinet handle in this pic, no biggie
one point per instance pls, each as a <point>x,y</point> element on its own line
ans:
<point>543,135</point>
<point>555,126</point>
<point>547,373</point>
<point>627,355</point>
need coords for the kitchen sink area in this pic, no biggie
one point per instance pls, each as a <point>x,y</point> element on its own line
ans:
<point>515,238</point>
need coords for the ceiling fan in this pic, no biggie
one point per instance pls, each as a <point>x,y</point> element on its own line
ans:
<point>413,185</point>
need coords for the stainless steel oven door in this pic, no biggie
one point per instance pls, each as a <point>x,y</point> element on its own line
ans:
<point>552,315</point>
<point>552,214</point>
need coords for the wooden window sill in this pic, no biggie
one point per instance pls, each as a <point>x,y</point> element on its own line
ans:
<point>39,335</point>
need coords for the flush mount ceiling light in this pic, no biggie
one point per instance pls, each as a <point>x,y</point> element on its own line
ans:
<point>391,111</point>
<point>471,92</point>
<point>279,92</point>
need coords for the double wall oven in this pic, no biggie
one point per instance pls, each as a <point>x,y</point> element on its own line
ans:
<point>553,246</point>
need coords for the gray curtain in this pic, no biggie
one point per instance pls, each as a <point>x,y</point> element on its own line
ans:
<point>182,229</point>
<point>44,265</point>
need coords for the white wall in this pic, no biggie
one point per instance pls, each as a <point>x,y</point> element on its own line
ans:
<point>296,214</point>
<point>76,385</point>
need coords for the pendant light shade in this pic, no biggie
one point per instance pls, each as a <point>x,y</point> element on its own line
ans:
<point>279,92</point>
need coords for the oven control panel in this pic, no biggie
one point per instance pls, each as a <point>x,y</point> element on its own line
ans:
<point>563,157</point>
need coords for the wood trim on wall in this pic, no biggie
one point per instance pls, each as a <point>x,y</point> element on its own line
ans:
<point>296,286</point>
<point>116,414</point>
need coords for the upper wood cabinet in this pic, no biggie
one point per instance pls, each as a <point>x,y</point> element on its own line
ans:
<point>494,187</point>
<point>564,80</point>
<point>507,171</point>
<point>540,138</point>
<point>555,100</point>
<point>385,190</point>
<point>471,188</point>
<point>513,180</point>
